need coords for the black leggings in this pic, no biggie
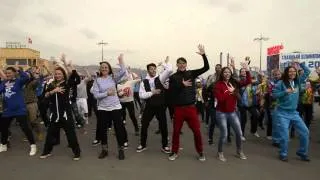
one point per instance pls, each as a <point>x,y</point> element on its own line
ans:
<point>130,107</point>
<point>24,124</point>
<point>103,119</point>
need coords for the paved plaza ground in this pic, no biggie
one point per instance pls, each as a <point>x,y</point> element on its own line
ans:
<point>262,162</point>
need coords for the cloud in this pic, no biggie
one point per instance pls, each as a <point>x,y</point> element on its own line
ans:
<point>52,19</point>
<point>88,33</point>
<point>232,6</point>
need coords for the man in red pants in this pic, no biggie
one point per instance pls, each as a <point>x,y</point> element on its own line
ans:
<point>183,93</point>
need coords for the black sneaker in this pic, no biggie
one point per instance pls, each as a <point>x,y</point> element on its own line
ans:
<point>303,157</point>
<point>45,155</point>
<point>210,141</point>
<point>95,143</point>
<point>76,157</point>
<point>125,145</point>
<point>277,145</point>
<point>121,154</point>
<point>103,154</point>
<point>166,150</point>
<point>141,148</point>
<point>201,157</point>
<point>283,158</point>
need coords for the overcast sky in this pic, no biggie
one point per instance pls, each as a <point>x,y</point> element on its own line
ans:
<point>148,30</point>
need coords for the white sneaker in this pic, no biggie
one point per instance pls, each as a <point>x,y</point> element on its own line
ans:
<point>3,148</point>
<point>173,156</point>
<point>221,157</point>
<point>33,150</point>
<point>256,135</point>
<point>269,137</point>
<point>243,138</point>
<point>241,156</point>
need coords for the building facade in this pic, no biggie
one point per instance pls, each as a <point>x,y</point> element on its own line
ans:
<point>25,57</point>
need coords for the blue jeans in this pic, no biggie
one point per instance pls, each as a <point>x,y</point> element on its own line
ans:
<point>212,122</point>
<point>285,119</point>
<point>275,127</point>
<point>232,118</point>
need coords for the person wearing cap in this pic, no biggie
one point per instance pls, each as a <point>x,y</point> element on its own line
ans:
<point>183,91</point>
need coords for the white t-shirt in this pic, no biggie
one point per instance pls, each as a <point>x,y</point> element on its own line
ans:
<point>125,91</point>
<point>82,89</point>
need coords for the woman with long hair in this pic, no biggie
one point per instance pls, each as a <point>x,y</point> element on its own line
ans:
<point>61,114</point>
<point>14,107</point>
<point>109,107</point>
<point>226,91</point>
<point>287,93</point>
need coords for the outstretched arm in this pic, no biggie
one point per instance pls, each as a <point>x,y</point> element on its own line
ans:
<point>164,75</point>
<point>198,72</point>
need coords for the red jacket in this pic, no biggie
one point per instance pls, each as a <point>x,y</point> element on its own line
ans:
<point>226,102</point>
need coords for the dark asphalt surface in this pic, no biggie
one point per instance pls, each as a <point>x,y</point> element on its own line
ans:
<point>262,162</point>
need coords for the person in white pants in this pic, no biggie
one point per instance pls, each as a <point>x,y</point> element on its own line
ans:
<point>82,96</point>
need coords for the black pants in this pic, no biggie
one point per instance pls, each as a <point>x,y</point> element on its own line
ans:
<point>212,122</point>
<point>77,116</point>
<point>269,124</point>
<point>200,108</point>
<point>24,124</point>
<point>137,99</point>
<point>254,120</point>
<point>115,116</point>
<point>130,107</point>
<point>147,116</point>
<point>43,106</point>
<point>54,128</point>
<point>307,112</point>
<point>92,105</point>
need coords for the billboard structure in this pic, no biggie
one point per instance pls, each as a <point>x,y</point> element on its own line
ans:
<point>311,60</point>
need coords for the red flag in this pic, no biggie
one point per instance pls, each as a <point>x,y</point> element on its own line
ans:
<point>29,40</point>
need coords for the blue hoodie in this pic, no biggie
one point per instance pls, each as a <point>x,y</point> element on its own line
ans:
<point>13,100</point>
<point>290,101</point>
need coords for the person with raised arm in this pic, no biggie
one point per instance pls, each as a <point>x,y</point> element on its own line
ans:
<point>152,90</point>
<point>109,107</point>
<point>183,93</point>
<point>226,92</point>
<point>14,106</point>
<point>57,94</point>
<point>287,93</point>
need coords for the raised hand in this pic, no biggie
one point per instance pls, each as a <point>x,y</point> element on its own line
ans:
<point>232,64</point>
<point>63,58</point>
<point>167,59</point>
<point>318,70</point>
<point>120,59</point>
<point>244,65</point>
<point>230,88</point>
<point>201,49</point>
<point>187,83</point>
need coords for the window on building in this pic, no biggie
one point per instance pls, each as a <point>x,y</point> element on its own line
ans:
<point>20,61</point>
<point>34,63</point>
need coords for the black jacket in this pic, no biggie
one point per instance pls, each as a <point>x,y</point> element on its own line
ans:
<point>181,95</point>
<point>73,82</point>
<point>59,103</point>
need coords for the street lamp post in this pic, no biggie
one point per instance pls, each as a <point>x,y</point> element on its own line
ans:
<point>102,44</point>
<point>260,39</point>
